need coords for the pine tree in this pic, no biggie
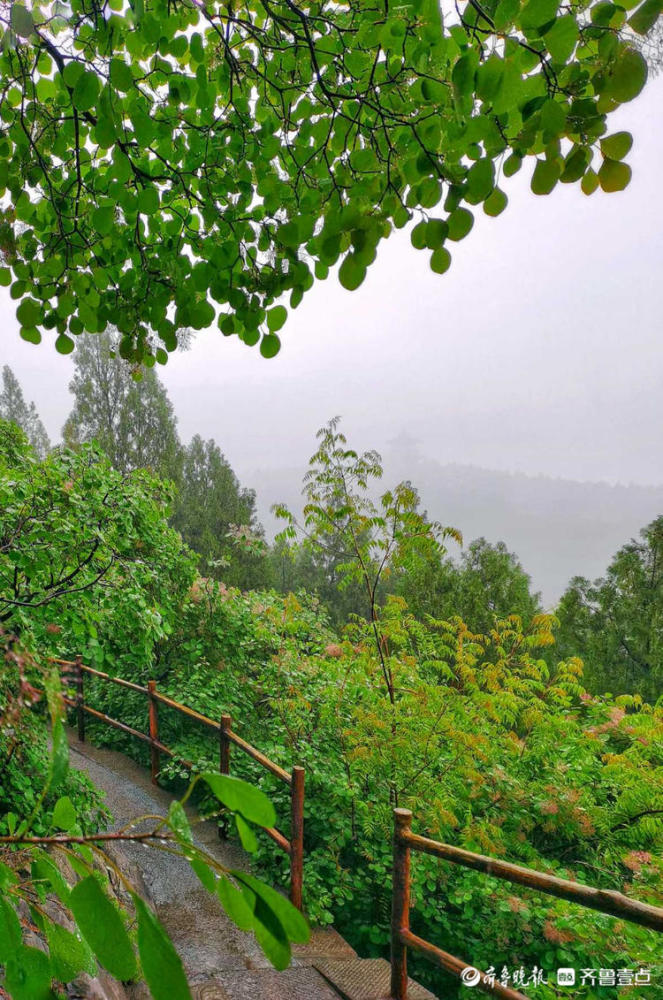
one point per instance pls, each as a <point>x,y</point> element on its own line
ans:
<point>14,408</point>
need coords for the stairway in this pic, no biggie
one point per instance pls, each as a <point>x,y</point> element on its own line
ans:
<point>222,962</point>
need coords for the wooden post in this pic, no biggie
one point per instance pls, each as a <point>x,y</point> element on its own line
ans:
<point>297,836</point>
<point>224,766</point>
<point>154,731</point>
<point>80,700</point>
<point>400,907</point>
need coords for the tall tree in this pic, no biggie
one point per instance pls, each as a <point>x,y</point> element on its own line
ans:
<point>217,517</point>
<point>487,584</point>
<point>133,421</point>
<point>616,623</point>
<point>14,408</point>
<point>170,164</point>
<point>376,538</point>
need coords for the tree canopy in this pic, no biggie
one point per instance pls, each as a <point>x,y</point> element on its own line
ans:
<point>617,621</point>
<point>14,408</point>
<point>173,163</point>
<point>133,421</point>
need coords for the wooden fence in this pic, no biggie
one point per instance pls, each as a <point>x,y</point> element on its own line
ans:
<point>294,847</point>
<point>402,938</point>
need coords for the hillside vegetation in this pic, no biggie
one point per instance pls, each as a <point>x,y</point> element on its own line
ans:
<point>487,734</point>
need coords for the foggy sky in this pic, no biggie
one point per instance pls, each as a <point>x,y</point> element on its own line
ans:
<point>539,351</point>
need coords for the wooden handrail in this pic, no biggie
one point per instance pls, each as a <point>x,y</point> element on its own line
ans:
<point>604,900</point>
<point>294,847</point>
<point>404,842</point>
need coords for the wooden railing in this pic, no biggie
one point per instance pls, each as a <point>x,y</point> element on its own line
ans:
<point>294,847</point>
<point>402,938</point>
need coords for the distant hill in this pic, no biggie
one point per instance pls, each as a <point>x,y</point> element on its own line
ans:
<point>558,528</point>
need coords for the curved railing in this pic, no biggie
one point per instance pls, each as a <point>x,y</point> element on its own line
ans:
<point>294,847</point>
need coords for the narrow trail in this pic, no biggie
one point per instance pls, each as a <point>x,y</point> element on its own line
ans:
<point>221,962</point>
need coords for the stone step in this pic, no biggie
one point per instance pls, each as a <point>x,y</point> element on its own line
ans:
<point>265,984</point>
<point>324,943</point>
<point>365,979</point>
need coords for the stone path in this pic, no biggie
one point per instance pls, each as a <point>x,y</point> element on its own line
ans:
<point>221,962</point>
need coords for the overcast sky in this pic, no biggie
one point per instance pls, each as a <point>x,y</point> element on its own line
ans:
<point>539,351</point>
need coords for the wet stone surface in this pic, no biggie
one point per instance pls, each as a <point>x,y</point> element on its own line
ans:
<point>221,962</point>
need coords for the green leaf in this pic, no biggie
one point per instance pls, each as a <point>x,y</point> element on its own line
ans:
<point>538,12</point>
<point>575,164</point>
<point>121,75</point>
<point>204,873</point>
<point>10,930</point>
<point>30,334</point>
<point>43,869</point>
<point>463,73</point>
<point>616,146</point>
<point>545,176</point>
<point>148,201</point>
<point>246,833</point>
<point>351,272</point>
<point>562,37</point>
<point>29,312</point>
<point>103,219</point>
<point>270,346</point>
<point>270,935</point>
<point>437,231</point>
<point>235,904</point>
<point>21,20</point>
<point>292,921</point>
<point>64,344</point>
<point>179,824</point>
<point>489,78</point>
<point>28,975</point>
<point>627,77</point>
<point>440,260</point>
<point>72,73</point>
<point>86,91</point>
<point>276,318</point>
<point>101,925</point>
<point>506,13</point>
<point>646,16</point>
<point>589,182</point>
<point>419,235</point>
<point>241,797</point>
<point>480,180</point>
<point>161,965</point>
<point>496,202</point>
<point>5,277</point>
<point>64,814</point>
<point>460,223</point>
<point>69,955</point>
<point>614,175</point>
<point>59,755</point>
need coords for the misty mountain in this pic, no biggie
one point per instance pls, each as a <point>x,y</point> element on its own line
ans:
<point>558,528</point>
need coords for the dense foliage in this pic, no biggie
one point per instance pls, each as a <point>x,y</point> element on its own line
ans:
<point>171,164</point>
<point>617,621</point>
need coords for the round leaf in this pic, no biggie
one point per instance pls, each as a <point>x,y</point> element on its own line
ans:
<point>614,175</point>
<point>21,20</point>
<point>351,272</point>
<point>270,346</point>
